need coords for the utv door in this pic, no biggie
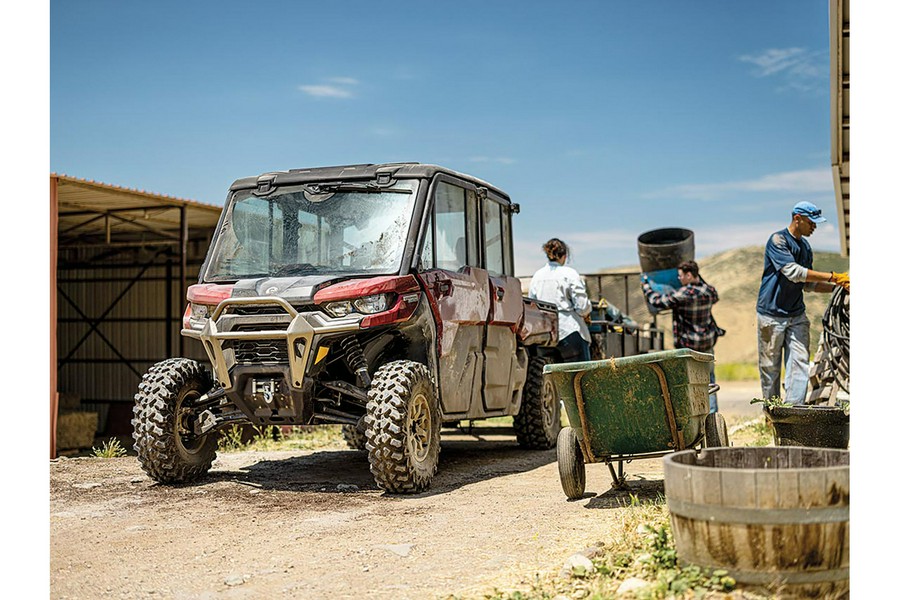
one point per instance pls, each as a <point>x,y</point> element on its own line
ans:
<point>459,295</point>
<point>500,359</point>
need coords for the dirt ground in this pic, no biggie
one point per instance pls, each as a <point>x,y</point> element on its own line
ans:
<point>311,524</point>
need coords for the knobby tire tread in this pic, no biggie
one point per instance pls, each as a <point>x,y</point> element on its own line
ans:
<point>529,426</point>
<point>386,414</point>
<point>354,438</point>
<point>155,426</point>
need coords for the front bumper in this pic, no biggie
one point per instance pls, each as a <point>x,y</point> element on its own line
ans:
<point>301,332</point>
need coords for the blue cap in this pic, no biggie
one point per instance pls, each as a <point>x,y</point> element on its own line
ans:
<point>809,210</point>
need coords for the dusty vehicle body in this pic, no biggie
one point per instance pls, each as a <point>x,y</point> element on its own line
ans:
<point>378,297</point>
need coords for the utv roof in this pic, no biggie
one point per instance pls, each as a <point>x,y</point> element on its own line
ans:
<point>409,170</point>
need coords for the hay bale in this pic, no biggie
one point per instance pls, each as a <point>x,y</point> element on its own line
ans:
<point>75,430</point>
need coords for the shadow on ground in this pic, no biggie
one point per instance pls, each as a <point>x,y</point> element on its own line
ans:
<point>462,462</point>
<point>637,489</point>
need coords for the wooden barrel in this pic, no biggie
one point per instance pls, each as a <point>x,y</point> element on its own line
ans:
<point>773,517</point>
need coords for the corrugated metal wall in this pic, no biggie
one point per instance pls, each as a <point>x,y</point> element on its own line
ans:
<point>135,324</point>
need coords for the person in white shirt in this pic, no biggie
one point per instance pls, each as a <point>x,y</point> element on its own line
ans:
<point>562,285</point>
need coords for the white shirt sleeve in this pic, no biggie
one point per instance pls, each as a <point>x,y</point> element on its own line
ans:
<point>579,297</point>
<point>795,272</point>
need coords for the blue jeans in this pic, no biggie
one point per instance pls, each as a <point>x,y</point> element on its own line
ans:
<point>573,348</point>
<point>784,339</point>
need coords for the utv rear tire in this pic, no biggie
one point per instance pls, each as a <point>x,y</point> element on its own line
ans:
<point>166,451</point>
<point>403,427</point>
<point>354,437</point>
<point>538,421</point>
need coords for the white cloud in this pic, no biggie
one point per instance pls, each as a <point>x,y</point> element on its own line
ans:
<point>589,248</point>
<point>775,60</point>
<point>384,131</point>
<point>710,240</point>
<point>337,87</point>
<point>809,181</point>
<point>803,70</point>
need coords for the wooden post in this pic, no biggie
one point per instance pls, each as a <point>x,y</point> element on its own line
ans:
<point>183,287</point>
<point>54,245</point>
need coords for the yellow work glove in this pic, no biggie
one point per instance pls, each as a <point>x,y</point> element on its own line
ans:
<point>841,279</point>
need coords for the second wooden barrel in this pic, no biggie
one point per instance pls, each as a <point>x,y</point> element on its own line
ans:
<point>773,517</point>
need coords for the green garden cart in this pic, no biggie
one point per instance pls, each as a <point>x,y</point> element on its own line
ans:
<point>636,407</point>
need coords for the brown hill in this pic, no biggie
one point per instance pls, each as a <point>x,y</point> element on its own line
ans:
<point>736,274</point>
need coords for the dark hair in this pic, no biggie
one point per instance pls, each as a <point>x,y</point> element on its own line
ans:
<point>555,249</point>
<point>689,266</point>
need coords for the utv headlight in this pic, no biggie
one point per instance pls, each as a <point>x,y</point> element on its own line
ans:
<point>341,308</point>
<point>371,304</point>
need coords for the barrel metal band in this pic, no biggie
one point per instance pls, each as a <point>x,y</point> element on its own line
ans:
<point>757,516</point>
<point>790,577</point>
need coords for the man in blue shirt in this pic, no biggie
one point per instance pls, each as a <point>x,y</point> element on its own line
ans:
<point>782,325</point>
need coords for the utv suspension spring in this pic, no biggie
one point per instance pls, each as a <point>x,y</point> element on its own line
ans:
<point>356,360</point>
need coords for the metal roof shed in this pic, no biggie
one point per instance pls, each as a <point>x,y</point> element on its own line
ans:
<point>839,19</point>
<point>123,259</point>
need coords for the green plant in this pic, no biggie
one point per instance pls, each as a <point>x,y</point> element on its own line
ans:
<point>646,550</point>
<point>270,438</point>
<point>770,403</point>
<point>231,439</point>
<point>267,437</point>
<point>761,432</point>
<point>109,449</point>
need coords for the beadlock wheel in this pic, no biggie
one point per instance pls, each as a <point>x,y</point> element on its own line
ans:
<point>403,427</point>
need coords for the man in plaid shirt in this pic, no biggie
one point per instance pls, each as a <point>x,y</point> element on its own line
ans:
<point>692,321</point>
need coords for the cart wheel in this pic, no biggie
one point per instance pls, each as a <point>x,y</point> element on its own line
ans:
<point>716,431</point>
<point>571,463</point>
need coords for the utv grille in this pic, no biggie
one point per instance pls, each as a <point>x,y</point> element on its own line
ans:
<point>267,352</point>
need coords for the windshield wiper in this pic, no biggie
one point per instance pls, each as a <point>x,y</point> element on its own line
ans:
<point>368,186</point>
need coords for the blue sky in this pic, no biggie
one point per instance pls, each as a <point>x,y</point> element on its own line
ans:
<point>602,119</point>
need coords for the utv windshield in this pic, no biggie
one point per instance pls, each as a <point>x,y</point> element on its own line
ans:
<point>313,229</point>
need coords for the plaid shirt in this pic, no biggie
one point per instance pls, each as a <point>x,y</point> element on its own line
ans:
<point>692,321</point>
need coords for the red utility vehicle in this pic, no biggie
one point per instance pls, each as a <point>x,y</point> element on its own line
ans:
<point>378,297</point>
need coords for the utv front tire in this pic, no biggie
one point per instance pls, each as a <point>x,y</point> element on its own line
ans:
<point>354,437</point>
<point>403,427</point>
<point>538,421</point>
<point>166,449</point>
